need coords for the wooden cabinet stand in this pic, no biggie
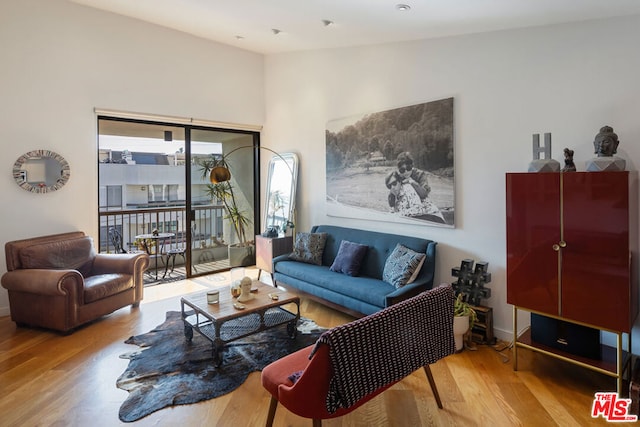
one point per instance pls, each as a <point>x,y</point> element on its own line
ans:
<point>268,248</point>
<point>482,332</point>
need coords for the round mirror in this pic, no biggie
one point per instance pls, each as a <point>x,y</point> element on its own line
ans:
<point>41,171</point>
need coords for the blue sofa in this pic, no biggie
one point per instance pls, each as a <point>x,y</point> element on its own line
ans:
<point>358,295</point>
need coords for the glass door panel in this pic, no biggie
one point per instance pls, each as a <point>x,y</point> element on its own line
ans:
<point>213,228</point>
<point>142,193</point>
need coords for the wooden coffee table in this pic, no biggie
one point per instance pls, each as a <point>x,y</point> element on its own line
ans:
<point>222,322</point>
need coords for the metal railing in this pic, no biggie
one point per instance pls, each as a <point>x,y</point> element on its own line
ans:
<point>207,227</point>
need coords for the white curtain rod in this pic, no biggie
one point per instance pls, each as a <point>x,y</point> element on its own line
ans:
<point>175,119</point>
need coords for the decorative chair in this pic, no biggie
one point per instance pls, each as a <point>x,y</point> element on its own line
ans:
<point>172,253</point>
<point>116,240</point>
<point>171,256</point>
<point>352,363</point>
<point>59,282</point>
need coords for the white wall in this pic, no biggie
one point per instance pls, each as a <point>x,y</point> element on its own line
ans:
<point>568,80</point>
<point>61,60</point>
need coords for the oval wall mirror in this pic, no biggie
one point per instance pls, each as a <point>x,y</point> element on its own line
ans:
<point>41,171</point>
<point>281,191</point>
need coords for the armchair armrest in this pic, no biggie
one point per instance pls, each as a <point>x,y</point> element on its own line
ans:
<point>283,257</point>
<point>120,263</point>
<point>43,281</point>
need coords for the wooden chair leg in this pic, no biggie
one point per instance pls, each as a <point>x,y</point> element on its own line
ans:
<point>317,423</point>
<point>432,383</point>
<point>272,411</point>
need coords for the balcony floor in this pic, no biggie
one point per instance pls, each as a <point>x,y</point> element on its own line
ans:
<point>179,273</point>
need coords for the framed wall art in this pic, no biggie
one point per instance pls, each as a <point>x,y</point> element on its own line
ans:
<point>395,165</point>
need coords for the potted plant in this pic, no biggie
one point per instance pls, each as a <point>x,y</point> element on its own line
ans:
<point>242,253</point>
<point>464,316</point>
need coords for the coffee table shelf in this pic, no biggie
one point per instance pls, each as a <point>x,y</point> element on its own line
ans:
<point>222,323</point>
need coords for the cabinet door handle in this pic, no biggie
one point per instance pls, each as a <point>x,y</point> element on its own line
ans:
<point>563,244</point>
<point>556,247</point>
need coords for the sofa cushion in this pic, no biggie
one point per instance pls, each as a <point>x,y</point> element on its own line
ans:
<point>104,285</point>
<point>320,281</point>
<point>73,254</point>
<point>309,247</point>
<point>349,258</point>
<point>401,266</point>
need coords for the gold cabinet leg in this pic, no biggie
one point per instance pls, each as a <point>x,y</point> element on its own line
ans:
<point>515,338</point>
<point>620,363</point>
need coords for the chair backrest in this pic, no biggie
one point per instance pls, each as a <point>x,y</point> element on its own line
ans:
<point>380,246</point>
<point>402,338</point>
<point>12,249</point>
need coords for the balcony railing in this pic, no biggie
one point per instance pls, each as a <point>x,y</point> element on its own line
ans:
<point>207,229</point>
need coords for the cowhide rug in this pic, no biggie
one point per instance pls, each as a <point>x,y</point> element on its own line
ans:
<point>168,370</point>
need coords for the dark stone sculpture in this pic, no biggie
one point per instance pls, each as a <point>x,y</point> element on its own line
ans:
<point>605,145</point>
<point>569,166</point>
<point>606,142</point>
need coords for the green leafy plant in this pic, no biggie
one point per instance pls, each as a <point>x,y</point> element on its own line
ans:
<point>463,308</point>
<point>224,193</point>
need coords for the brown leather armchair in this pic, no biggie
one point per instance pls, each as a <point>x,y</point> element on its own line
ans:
<point>59,281</point>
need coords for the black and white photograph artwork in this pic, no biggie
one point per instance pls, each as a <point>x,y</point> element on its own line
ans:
<point>395,165</point>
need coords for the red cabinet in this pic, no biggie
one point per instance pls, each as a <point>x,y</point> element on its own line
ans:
<point>570,240</point>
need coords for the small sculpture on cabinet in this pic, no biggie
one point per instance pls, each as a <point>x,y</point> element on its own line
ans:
<point>605,146</point>
<point>569,165</point>
<point>547,164</point>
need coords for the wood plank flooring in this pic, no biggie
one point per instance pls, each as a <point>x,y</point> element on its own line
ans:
<point>51,380</point>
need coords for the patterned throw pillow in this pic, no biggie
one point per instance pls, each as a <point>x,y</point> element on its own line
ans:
<point>349,258</point>
<point>401,266</point>
<point>309,248</point>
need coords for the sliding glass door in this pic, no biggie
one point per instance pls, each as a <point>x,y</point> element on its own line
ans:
<point>155,194</point>
<point>223,214</point>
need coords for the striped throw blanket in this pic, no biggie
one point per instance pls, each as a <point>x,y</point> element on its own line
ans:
<point>386,346</point>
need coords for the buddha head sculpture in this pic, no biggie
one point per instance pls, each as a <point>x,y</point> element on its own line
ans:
<point>606,142</point>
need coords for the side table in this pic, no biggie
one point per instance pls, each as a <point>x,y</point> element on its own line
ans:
<point>268,248</point>
<point>157,240</point>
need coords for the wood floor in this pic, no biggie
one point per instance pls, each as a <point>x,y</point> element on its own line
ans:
<point>52,380</point>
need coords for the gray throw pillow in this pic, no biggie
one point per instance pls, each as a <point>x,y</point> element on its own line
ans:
<point>349,258</point>
<point>401,265</point>
<point>309,248</point>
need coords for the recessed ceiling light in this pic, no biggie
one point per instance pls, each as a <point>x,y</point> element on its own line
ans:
<point>403,7</point>
<point>327,22</point>
<point>239,38</point>
<point>276,31</point>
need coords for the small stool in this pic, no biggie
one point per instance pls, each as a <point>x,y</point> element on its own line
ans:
<point>171,255</point>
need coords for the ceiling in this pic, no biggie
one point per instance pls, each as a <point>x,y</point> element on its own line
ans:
<point>250,24</point>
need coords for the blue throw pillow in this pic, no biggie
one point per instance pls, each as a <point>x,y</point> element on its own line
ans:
<point>309,248</point>
<point>349,258</point>
<point>402,265</point>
